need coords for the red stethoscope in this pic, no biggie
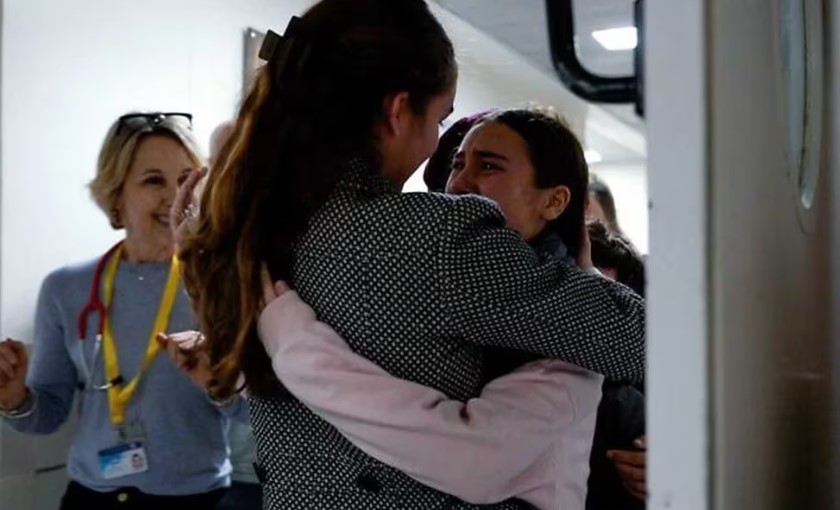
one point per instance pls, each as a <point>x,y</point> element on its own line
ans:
<point>95,306</point>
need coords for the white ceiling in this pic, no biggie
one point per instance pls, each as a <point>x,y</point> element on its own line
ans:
<point>521,25</point>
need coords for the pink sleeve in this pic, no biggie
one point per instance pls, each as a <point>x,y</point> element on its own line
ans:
<point>484,451</point>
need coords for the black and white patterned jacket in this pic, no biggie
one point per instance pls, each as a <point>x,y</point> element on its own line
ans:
<point>422,284</point>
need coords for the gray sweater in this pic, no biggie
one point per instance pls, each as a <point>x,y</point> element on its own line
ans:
<point>185,433</point>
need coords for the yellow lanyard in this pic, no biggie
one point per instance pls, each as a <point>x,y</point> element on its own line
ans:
<point>118,394</point>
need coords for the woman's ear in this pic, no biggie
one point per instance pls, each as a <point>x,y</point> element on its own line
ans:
<point>396,110</point>
<point>556,201</point>
<point>116,213</point>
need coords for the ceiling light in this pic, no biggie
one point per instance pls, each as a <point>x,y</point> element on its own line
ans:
<point>592,156</point>
<point>617,39</point>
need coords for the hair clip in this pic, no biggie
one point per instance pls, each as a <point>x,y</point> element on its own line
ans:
<point>289,50</point>
<point>269,45</point>
<point>273,40</point>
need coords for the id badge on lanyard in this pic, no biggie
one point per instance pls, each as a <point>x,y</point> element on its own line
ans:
<point>123,460</point>
<point>129,456</point>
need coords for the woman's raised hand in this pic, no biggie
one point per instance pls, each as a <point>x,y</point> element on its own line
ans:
<point>14,363</point>
<point>184,209</point>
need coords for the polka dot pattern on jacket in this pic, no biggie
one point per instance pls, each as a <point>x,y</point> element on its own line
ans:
<point>422,284</point>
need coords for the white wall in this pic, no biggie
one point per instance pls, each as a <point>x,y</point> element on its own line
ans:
<point>628,184</point>
<point>678,309</point>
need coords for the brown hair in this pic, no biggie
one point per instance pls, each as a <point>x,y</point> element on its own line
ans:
<point>612,250</point>
<point>307,113</point>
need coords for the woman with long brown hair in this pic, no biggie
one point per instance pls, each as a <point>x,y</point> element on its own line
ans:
<point>344,111</point>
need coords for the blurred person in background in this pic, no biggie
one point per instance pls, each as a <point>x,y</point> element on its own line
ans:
<point>601,204</point>
<point>618,463</point>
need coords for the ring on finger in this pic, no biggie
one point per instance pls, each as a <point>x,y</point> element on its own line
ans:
<point>191,210</point>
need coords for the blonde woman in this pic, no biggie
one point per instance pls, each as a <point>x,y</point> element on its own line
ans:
<point>150,434</point>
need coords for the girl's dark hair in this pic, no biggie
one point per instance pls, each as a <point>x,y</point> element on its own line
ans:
<point>557,157</point>
<point>612,250</point>
<point>601,192</point>
<point>315,104</point>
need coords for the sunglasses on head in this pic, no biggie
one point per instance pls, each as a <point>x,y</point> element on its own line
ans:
<point>150,119</point>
